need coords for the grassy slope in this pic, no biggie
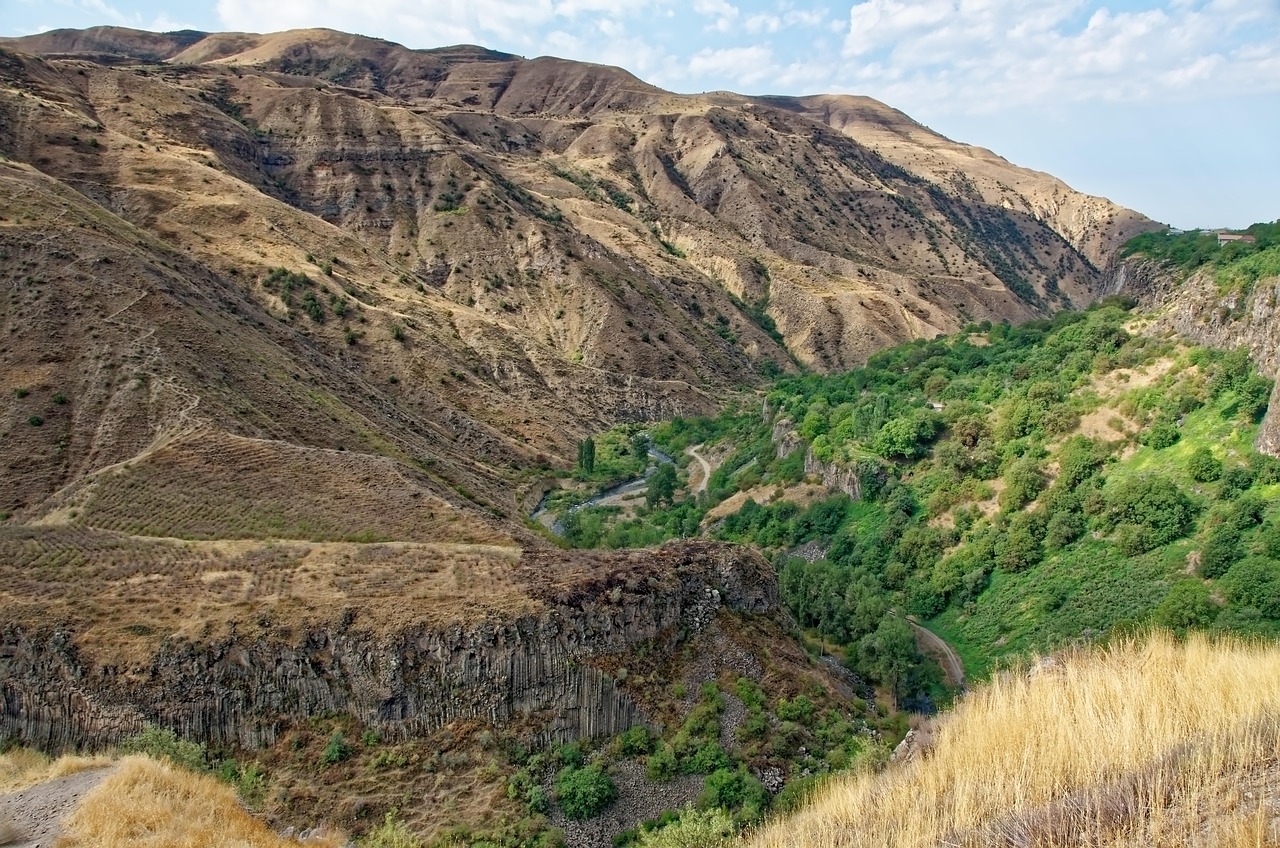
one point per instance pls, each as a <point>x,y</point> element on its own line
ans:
<point>1146,742</point>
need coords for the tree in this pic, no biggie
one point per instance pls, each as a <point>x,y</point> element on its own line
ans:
<point>662,486</point>
<point>1221,550</point>
<point>1153,503</point>
<point>1203,466</point>
<point>1187,605</point>
<point>888,654</point>
<point>1255,583</point>
<point>587,454</point>
<point>584,792</point>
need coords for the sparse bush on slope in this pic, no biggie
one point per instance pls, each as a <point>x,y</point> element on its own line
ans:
<point>1153,742</point>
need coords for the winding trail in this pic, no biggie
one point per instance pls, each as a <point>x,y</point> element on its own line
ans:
<point>933,643</point>
<point>701,485</point>
<point>35,814</point>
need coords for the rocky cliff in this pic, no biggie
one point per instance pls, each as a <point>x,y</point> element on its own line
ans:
<point>546,668</point>
<point>1197,309</point>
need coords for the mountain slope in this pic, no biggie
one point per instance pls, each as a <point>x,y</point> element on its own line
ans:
<point>1145,743</point>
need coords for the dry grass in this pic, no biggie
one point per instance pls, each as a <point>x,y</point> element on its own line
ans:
<point>148,804</point>
<point>1149,743</point>
<point>23,767</point>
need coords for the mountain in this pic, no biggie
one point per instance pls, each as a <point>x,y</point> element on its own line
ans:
<point>298,327</point>
<point>501,251</point>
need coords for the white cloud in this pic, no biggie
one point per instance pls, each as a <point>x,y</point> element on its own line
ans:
<point>743,66</point>
<point>422,22</point>
<point>996,54</point>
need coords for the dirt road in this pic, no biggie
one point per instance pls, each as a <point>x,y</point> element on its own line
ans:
<point>701,485</point>
<point>35,813</point>
<point>932,644</point>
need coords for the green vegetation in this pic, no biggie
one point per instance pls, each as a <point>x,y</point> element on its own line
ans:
<point>584,792</point>
<point>336,750</point>
<point>248,780</point>
<point>1015,488</point>
<point>1236,265</point>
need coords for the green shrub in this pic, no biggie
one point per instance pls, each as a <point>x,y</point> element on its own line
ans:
<point>707,759</point>
<point>1221,550</point>
<point>662,764</point>
<point>694,829</point>
<point>1235,480</point>
<point>1187,605</point>
<point>1154,503</point>
<point>734,790</point>
<point>1163,434</point>
<point>336,750</point>
<point>1203,466</point>
<point>584,792</point>
<point>798,709</point>
<point>635,742</point>
<point>164,744</point>
<point>392,833</point>
<point>1254,583</point>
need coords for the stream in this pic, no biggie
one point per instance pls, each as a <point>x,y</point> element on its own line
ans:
<point>627,487</point>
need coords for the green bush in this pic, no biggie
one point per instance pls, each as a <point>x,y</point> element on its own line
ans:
<point>1254,583</point>
<point>1187,605</point>
<point>662,764</point>
<point>1221,550</point>
<point>584,792</point>
<point>635,742</point>
<point>1203,466</point>
<point>694,829</point>
<point>1163,434</point>
<point>392,833</point>
<point>798,709</point>
<point>336,750</point>
<point>735,790</point>
<point>1154,503</point>
<point>164,744</point>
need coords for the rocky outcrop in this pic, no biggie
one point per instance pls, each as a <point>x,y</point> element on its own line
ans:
<point>835,477</point>
<point>546,668</point>
<point>785,438</point>
<point>1197,310</point>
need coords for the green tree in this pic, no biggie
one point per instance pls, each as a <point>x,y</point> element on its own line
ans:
<point>587,455</point>
<point>662,486</point>
<point>1203,466</point>
<point>1221,550</point>
<point>1187,605</point>
<point>1154,503</point>
<point>888,654</point>
<point>584,792</point>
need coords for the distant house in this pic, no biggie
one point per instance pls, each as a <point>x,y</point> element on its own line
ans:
<point>1227,238</point>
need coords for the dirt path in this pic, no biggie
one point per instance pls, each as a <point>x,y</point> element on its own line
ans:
<point>933,644</point>
<point>701,485</point>
<point>36,813</point>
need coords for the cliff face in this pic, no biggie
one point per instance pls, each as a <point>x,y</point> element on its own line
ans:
<point>1197,310</point>
<point>546,669</point>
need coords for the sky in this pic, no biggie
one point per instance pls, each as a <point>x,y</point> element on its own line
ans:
<point>1171,107</point>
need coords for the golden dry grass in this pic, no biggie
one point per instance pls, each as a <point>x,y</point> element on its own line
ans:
<point>23,767</point>
<point>1146,743</point>
<point>149,804</point>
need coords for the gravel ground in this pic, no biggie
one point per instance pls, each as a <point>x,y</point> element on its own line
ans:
<point>35,813</point>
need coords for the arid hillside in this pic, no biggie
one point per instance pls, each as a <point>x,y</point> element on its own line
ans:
<point>460,259</point>
<point>1147,743</point>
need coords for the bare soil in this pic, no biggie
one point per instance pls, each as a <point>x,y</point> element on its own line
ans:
<point>35,813</point>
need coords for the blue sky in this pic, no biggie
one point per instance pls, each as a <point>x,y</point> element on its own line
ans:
<point>1171,107</point>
